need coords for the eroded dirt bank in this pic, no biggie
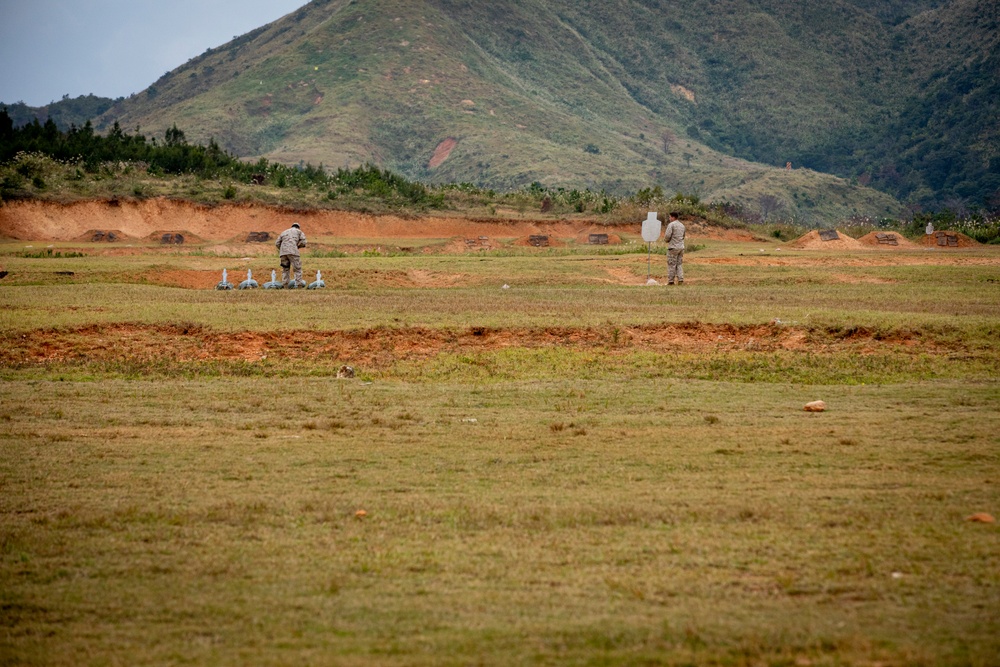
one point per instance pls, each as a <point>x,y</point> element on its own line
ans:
<point>147,220</point>
<point>139,220</point>
<point>382,346</point>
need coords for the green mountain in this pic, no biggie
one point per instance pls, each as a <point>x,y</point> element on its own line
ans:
<point>710,97</point>
<point>64,113</point>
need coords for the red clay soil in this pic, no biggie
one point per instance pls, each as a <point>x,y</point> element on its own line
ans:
<point>551,242</point>
<point>931,240</point>
<point>902,243</point>
<point>381,347</point>
<point>698,231</point>
<point>442,152</point>
<point>146,221</point>
<point>812,241</point>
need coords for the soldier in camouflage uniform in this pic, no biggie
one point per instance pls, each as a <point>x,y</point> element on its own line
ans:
<point>673,236</point>
<point>288,244</point>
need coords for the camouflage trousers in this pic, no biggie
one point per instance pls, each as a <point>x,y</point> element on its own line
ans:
<point>293,262</point>
<point>675,265</point>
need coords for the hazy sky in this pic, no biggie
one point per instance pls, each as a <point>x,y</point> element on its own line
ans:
<point>113,48</point>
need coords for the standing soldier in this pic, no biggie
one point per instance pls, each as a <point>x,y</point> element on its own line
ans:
<point>288,245</point>
<point>673,236</point>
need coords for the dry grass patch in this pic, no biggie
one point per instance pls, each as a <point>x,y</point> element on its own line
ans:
<point>568,471</point>
<point>494,528</point>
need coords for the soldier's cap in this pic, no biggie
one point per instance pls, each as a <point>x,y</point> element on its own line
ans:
<point>296,225</point>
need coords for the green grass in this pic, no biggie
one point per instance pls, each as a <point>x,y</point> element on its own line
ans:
<point>567,521</point>
<point>574,470</point>
<point>577,288</point>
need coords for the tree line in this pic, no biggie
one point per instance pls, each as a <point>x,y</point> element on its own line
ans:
<point>174,155</point>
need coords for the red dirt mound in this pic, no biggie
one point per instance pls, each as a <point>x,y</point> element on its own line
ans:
<point>172,237</point>
<point>947,239</point>
<point>812,241</point>
<point>887,240</point>
<point>102,236</point>
<point>584,238</point>
<point>471,245</point>
<point>539,241</point>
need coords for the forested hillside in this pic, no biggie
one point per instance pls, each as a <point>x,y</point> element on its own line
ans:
<point>712,97</point>
<point>65,113</point>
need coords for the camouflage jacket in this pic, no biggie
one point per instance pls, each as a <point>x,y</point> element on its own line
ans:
<point>673,236</point>
<point>290,241</point>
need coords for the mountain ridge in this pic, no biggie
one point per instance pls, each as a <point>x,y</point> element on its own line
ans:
<point>710,98</point>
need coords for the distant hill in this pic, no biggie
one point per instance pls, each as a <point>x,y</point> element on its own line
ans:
<point>64,113</point>
<point>711,97</point>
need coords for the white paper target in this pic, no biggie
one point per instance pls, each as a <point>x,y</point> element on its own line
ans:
<point>650,228</point>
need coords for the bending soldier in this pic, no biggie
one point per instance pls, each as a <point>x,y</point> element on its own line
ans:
<point>288,244</point>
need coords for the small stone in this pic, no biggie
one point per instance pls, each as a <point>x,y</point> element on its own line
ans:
<point>981,517</point>
<point>361,514</point>
<point>815,406</point>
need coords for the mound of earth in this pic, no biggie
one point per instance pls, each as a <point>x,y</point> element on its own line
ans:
<point>888,240</point>
<point>102,236</point>
<point>176,237</point>
<point>584,238</point>
<point>948,239</point>
<point>813,241</point>
<point>539,241</point>
<point>472,244</point>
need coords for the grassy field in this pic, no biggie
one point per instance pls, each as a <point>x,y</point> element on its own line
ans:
<point>579,469</point>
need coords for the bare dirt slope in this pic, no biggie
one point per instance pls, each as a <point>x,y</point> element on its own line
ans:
<point>140,220</point>
<point>147,220</point>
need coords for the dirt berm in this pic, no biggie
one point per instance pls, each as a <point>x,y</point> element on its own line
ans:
<point>46,221</point>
